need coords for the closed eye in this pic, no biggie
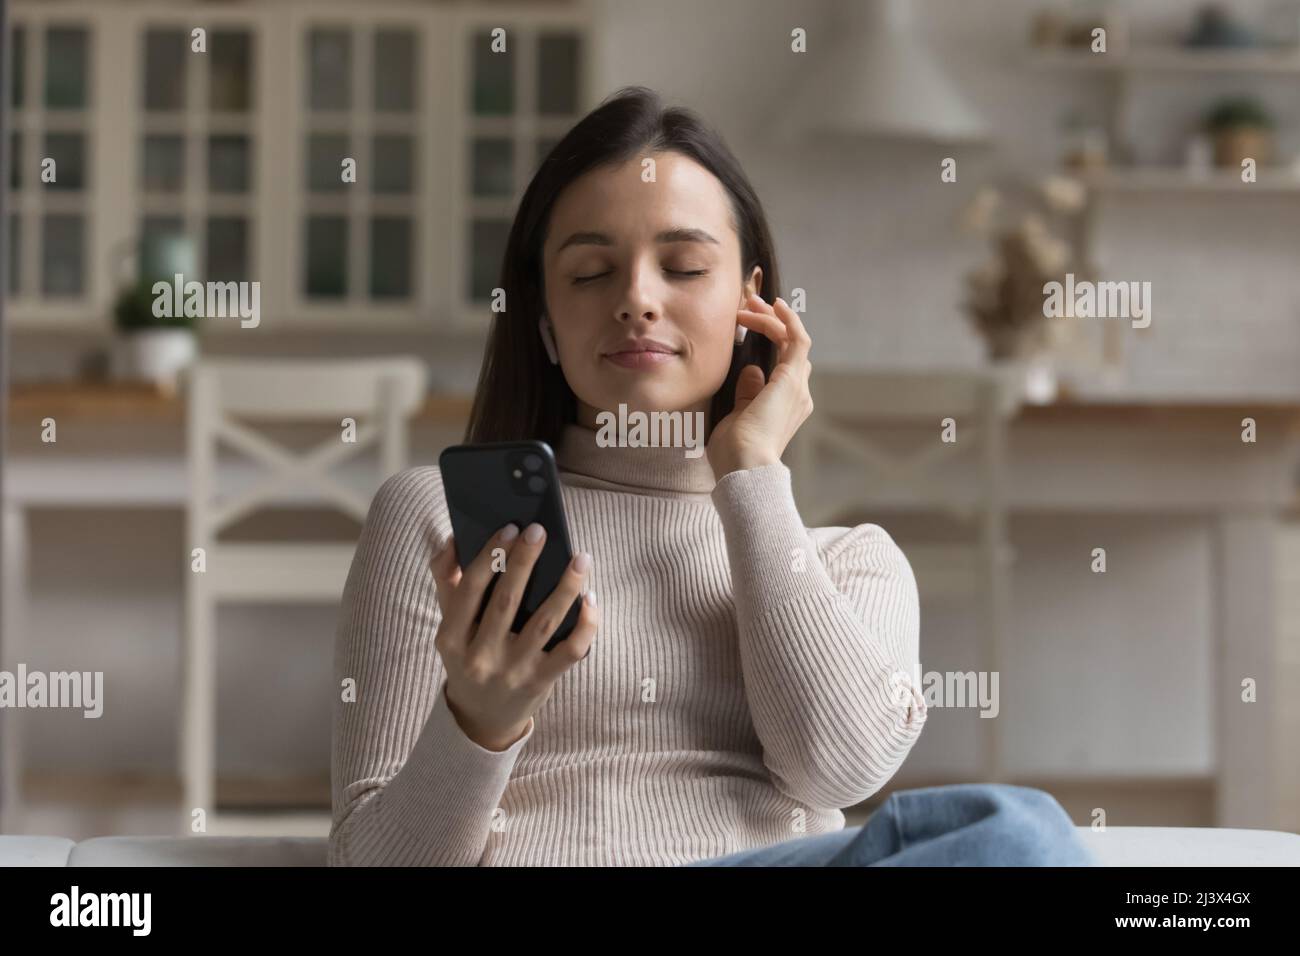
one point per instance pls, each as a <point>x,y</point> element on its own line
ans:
<point>578,280</point>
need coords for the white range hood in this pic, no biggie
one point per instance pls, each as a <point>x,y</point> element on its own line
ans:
<point>878,79</point>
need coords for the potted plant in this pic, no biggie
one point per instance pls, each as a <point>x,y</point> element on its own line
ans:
<point>1241,128</point>
<point>153,347</point>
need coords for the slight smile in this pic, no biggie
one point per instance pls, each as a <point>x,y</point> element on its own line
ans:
<point>641,358</point>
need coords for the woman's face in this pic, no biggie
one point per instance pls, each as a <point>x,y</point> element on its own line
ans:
<point>627,259</point>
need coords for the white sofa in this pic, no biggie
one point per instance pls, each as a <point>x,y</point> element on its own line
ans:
<point>1115,846</point>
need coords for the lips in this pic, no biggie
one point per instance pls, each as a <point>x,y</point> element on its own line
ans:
<point>643,345</point>
<point>641,358</point>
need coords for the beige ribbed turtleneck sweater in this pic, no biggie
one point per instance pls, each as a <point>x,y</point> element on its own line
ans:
<point>749,679</point>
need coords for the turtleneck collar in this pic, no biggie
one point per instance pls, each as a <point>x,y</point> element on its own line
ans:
<point>647,468</point>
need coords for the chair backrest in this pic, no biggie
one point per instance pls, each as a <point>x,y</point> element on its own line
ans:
<point>378,394</point>
<point>849,404</point>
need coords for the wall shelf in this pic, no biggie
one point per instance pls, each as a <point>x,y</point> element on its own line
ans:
<point>1117,74</point>
<point>1169,59</point>
<point>1175,179</point>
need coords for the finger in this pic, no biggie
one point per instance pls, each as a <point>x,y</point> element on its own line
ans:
<point>468,597</point>
<point>799,337</point>
<point>576,646</point>
<point>760,306</point>
<point>551,613</point>
<point>795,348</point>
<point>499,618</point>
<point>769,325</point>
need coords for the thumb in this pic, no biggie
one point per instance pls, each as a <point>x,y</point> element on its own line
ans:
<point>748,384</point>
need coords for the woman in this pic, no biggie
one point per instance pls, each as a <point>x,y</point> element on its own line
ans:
<point>743,678</point>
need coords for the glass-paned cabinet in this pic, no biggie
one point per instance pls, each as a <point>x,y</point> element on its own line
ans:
<point>360,97</point>
<point>52,170</point>
<point>361,162</point>
<point>524,91</point>
<point>198,144</point>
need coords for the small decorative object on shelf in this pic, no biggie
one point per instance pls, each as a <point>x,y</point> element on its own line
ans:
<point>1215,28</point>
<point>1005,296</point>
<point>1052,28</point>
<point>1241,128</point>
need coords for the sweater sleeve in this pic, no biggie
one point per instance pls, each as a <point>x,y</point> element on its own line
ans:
<point>829,627</point>
<point>408,786</point>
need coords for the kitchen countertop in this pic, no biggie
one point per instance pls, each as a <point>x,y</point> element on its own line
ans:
<point>147,404</point>
<point>126,403</point>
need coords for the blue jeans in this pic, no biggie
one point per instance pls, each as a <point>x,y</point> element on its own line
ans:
<point>965,824</point>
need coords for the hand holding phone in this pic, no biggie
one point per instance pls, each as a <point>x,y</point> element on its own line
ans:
<point>513,619</point>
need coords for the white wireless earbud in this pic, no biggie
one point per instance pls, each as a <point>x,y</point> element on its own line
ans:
<point>548,340</point>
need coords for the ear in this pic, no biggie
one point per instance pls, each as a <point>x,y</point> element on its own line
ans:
<point>754,285</point>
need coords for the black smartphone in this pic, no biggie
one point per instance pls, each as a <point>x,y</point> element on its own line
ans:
<point>491,484</point>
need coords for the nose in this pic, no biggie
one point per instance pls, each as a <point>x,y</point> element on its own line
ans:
<point>641,296</point>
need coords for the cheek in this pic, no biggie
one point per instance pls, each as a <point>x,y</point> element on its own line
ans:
<point>574,317</point>
<point>559,300</point>
<point>713,320</point>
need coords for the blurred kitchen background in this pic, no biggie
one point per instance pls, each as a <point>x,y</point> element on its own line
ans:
<point>926,166</point>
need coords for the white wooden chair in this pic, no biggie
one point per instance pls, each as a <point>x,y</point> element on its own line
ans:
<point>379,395</point>
<point>854,412</point>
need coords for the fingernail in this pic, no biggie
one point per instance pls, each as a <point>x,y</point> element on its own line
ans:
<point>582,562</point>
<point>591,598</point>
<point>534,533</point>
<point>510,532</point>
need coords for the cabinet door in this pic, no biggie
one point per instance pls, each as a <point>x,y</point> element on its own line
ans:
<point>520,78</point>
<point>199,99</point>
<point>363,88</point>
<point>52,182</point>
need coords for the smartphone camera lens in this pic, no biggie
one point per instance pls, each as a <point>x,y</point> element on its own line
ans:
<point>532,462</point>
<point>537,484</point>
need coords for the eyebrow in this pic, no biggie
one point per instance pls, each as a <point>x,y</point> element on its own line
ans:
<point>668,235</point>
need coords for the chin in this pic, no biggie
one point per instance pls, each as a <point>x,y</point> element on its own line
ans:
<point>640,400</point>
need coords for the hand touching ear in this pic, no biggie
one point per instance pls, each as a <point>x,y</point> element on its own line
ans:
<point>766,413</point>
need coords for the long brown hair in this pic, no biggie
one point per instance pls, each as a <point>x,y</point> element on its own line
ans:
<point>520,394</point>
